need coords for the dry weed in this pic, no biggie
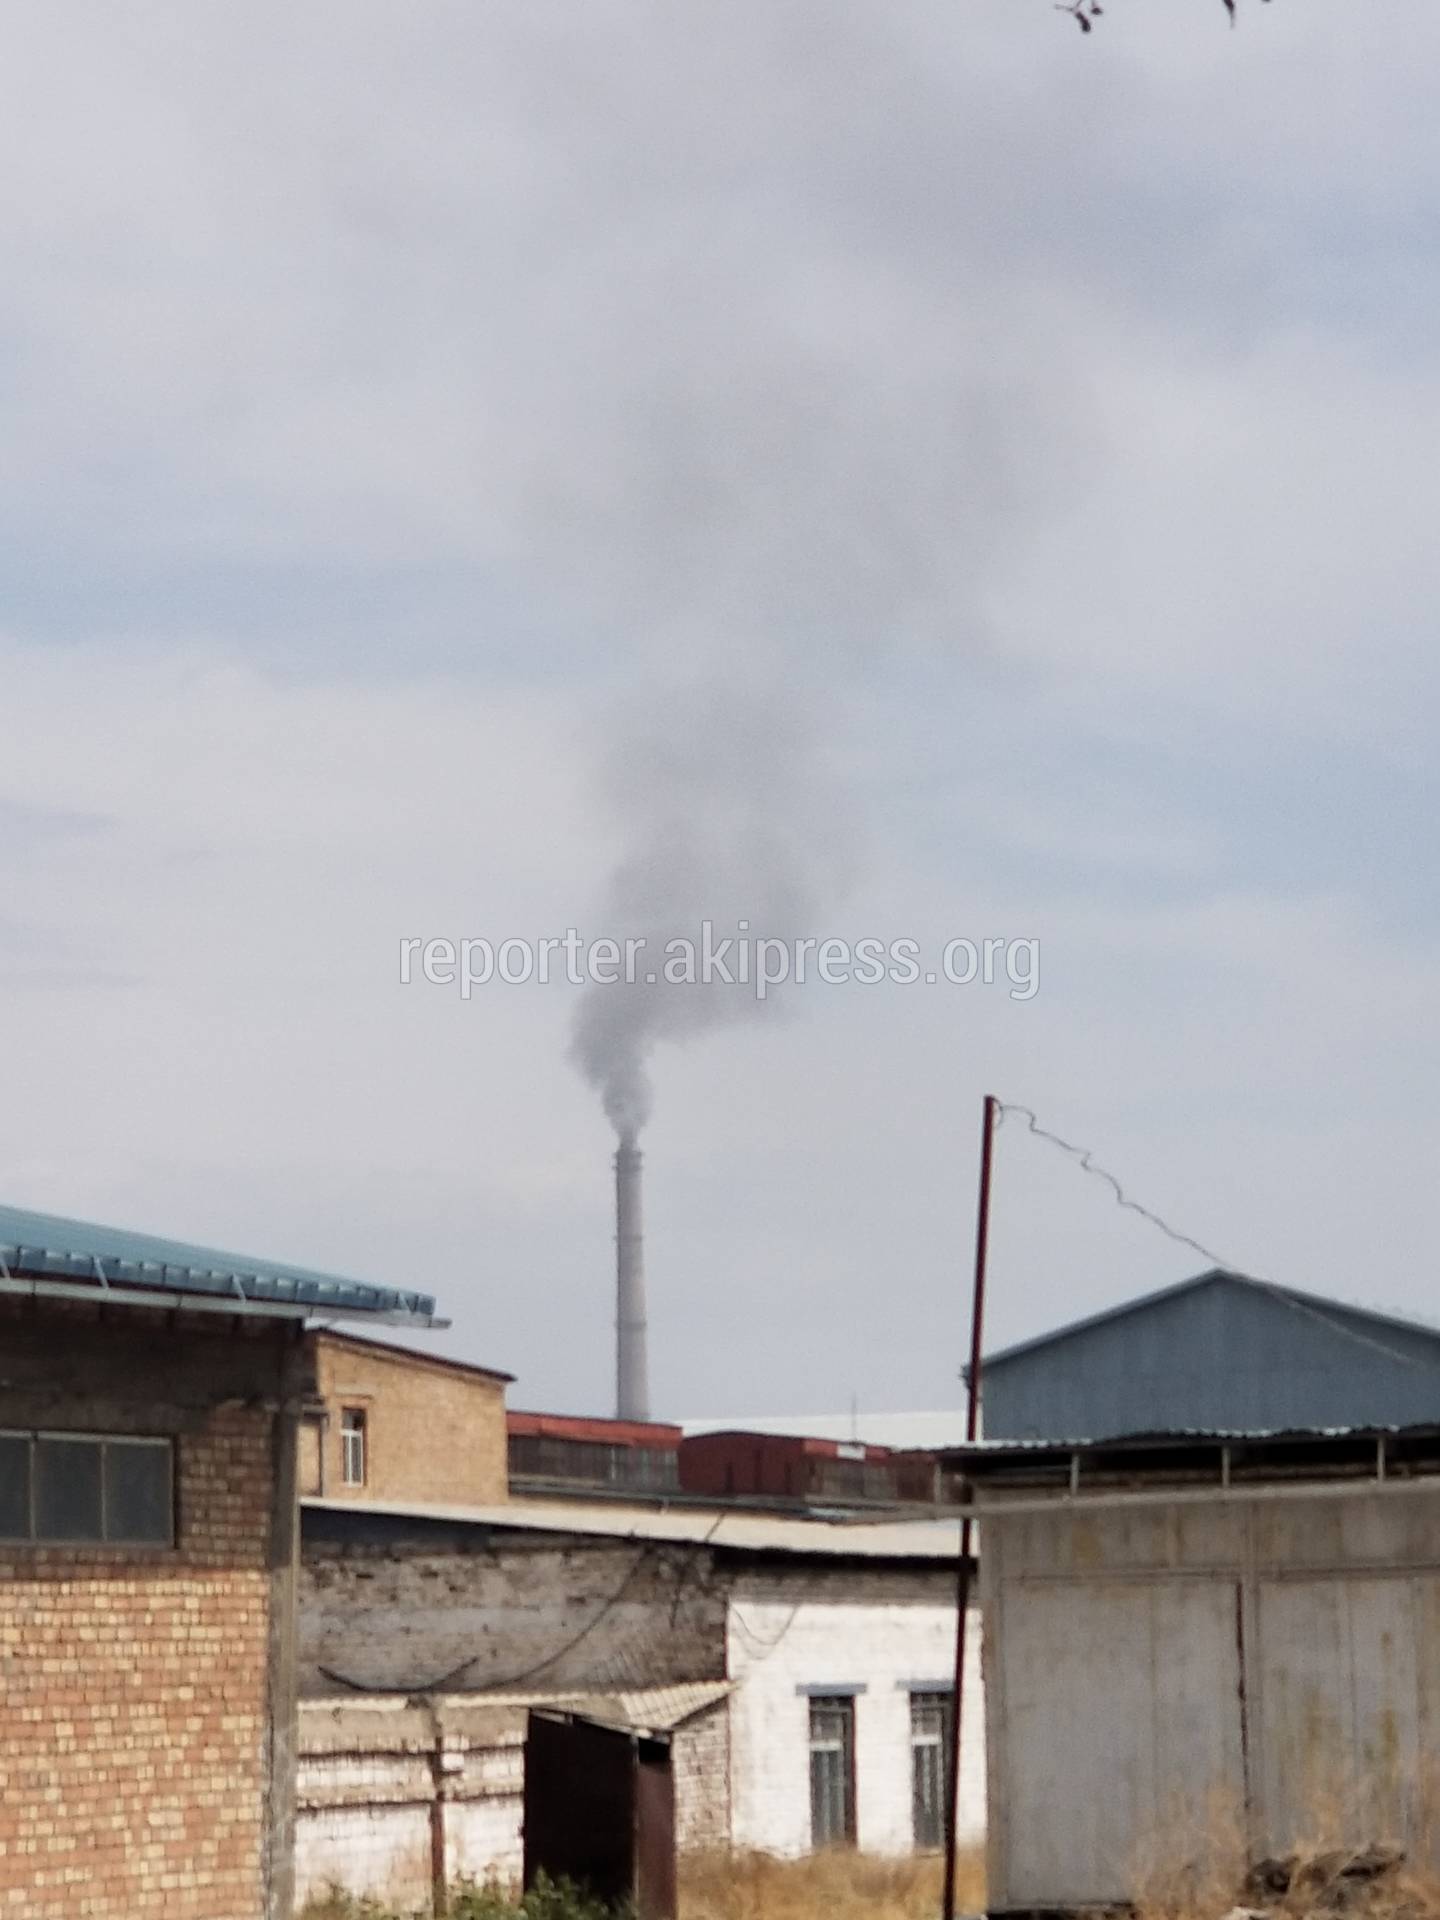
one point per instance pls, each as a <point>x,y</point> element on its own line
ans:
<point>1312,1882</point>
<point>838,1885</point>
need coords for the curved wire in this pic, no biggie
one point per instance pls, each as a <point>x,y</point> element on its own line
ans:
<point>442,1681</point>
<point>1087,1165</point>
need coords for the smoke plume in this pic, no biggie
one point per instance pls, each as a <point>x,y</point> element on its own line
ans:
<point>729,811</point>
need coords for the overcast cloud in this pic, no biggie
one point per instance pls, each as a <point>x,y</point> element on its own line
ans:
<point>406,405</point>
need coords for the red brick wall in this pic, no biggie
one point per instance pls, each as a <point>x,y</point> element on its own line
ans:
<point>134,1682</point>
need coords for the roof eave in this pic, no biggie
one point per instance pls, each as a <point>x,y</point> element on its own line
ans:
<point>166,1299</point>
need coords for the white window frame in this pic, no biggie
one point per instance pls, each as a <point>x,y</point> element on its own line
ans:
<point>354,1446</point>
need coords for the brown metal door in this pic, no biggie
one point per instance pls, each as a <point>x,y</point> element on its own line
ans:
<point>600,1810</point>
<point>655,1893</point>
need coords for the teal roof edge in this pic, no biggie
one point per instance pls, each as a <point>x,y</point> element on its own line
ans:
<point>48,1247</point>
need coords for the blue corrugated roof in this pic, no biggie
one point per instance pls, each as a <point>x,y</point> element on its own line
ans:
<point>43,1246</point>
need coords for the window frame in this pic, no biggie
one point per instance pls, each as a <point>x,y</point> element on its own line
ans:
<point>354,1438</point>
<point>86,1542</point>
<point>929,1741</point>
<point>839,1703</point>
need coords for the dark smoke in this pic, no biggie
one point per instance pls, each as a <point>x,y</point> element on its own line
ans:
<point>729,810</point>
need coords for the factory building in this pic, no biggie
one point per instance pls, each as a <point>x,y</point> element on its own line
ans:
<point>1219,1351</point>
<point>561,1453</point>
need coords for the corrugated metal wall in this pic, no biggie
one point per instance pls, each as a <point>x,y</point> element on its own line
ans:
<point>1170,1681</point>
<point>1224,1355</point>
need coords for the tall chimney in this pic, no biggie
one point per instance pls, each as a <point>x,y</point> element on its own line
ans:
<point>632,1372</point>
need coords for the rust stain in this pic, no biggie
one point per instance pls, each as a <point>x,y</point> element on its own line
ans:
<point>1085,1544</point>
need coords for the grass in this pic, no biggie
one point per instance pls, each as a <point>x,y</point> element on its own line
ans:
<point>1316,1881</point>
<point>1406,1894</point>
<point>733,1886</point>
<point>471,1902</point>
<point>824,1886</point>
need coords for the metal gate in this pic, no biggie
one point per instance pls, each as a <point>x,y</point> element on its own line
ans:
<point>1147,1719</point>
<point>1123,1703</point>
<point>600,1810</point>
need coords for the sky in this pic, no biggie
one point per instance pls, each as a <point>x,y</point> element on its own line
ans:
<point>911,472</point>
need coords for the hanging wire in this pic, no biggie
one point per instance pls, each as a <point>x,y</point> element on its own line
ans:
<point>1087,1165</point>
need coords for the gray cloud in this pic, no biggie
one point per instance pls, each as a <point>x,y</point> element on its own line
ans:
<point>1026,438</point>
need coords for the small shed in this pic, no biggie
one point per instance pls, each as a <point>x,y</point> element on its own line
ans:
<point>1204,1645</point>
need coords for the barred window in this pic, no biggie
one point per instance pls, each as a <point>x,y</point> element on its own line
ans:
<point>535,1456</point>
<point>929,1750</point>
<point>75,1489</point>
<point>832,1770</point>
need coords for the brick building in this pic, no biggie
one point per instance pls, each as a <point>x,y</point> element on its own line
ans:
<point>390,1424</point>
<point>149,1398</point>
<point>809,1470</point>
<point>801,1666</point>
<point>556,1453</point>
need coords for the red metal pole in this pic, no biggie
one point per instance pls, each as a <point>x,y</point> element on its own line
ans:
<point>962,1575</point>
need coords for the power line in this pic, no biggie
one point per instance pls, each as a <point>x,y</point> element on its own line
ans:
<point>1086,1160</point>
<point>448,1678</point>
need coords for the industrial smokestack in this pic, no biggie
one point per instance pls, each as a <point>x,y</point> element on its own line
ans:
<point>632,1371</point>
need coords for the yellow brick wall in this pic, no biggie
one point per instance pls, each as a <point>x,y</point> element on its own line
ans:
<point>434,1433</point>
<point>133,1704</point>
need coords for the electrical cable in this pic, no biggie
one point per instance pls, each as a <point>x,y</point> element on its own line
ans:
<point>1309,1309</point>
<point>1087,1165</point>
<point>444,1680</point>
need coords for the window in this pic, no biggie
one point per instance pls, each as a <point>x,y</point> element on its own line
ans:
<point>353,1463</point>
<point>536,1456</point>
<point>929,1757</point>
<point>832,1770</point>
<point>77,1489</point>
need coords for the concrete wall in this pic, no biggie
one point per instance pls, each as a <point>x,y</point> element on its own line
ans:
<point>495,1609</point>
<point>847,1627</point>
<point>135,1747</point>
<point>435,1430</point>
<point>1176,1677</point>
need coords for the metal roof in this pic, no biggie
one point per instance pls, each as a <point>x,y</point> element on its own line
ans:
<point>42,1253</point>
<point>901,1432</point>
<point>658,1709</point>
<point>748,1532</point>
<point>389,1723</point>
<point>985,1451</point>
<point>1377,1450</point>
<point>1314,1303</point>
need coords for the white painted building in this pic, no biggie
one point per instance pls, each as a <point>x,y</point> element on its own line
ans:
<point>802,1668</point>
<point>863,1660</point>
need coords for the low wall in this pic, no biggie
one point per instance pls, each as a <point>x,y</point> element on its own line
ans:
<point>395,1799</point>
